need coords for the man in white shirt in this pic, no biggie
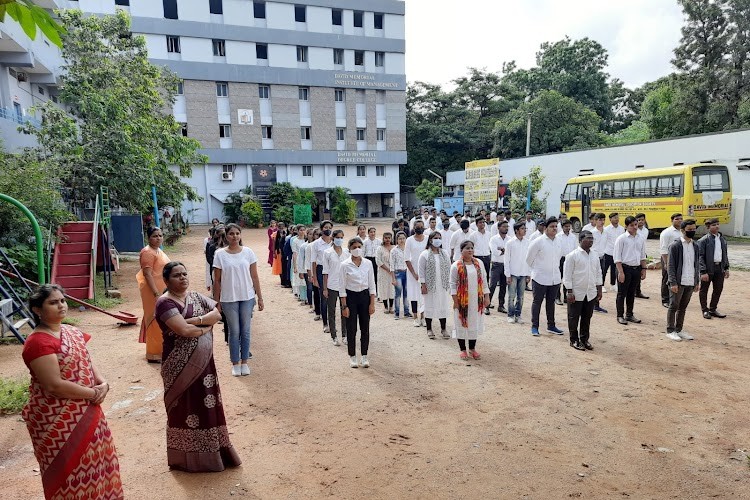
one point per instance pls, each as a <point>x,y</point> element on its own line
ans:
<point>415,245</point>
<point>630,259</point>
<point>544,261</point>
<point>319,246</point>
<point>714,267</point>
<point>568,243</point>
<point>666,238</point>
<point>497,272</point>
<point>454,219</point>
<point>592,223</point>
<point>459,237</point>
<point>511,221</point>
<point>481,239</point>
<point>332,259</point>
<point>541,226</point>
<point>446,233</point>
<point>684,273</point>
<point>582,279</point>
<point>517,271</point>
<point>432,227</point>
<point>530,224</point>
<point>563,216</point>
<point>371,245</point>
<point>611,233</point>
<point>640,219</point>
<point>598,249</point>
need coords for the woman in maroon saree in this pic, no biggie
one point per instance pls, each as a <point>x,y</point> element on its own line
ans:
<point>197,436</point>
<point>271,232</point>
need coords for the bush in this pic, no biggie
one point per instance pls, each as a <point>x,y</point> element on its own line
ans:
<point>13,396</point>
<point>284,214</point>
<point>252,211</point>
<point>234,202</point>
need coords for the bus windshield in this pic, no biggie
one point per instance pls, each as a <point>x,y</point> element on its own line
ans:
<point>710,179</point>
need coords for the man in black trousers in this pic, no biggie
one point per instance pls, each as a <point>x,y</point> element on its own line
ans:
<point>582,278</point>
<point>714,268</point>
<point>630,259</point>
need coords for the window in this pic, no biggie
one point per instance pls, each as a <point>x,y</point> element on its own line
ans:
<point>261,51</point>
<point>216,6</point>
<point>379,170</point>
<point>361,171</point>
<point>180,88</point>
<point>336,17</point>
<point>643,187</point>
<point>340,170</point>
<point>378,21</point>
<point>340,134</point>
<point>300,14</point>
<point>170,9</point>
<point>359,57</point>
<point>173,44</point>
<point>225,131</point>
<point>124,3</point>
<point>379,59</point>
<point>54,98</point>
<point>605,189</point>
<point>264,91</point>
<point>304,94</point>
<point>622,189</point>
<point>219,48</point>
<point>304,133</point>
<point>301,54</point>
<point>381,134</point>
<point>227,169</point>
<point>183,130</point>
<point>360,134</point>
<point>306,170</point>
<point>40,90</point>
<point>359,17</point>
<point>571,192</point>
<point>669,185</point>
<point>710,179</point>
<point>259,10</point>
<point>266,131</point>
<point>338,56</point>
<point>338,95</point>
<point>222,89</point>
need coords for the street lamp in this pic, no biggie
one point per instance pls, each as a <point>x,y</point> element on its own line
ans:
<point>442,189</point>
<point>528,133</point>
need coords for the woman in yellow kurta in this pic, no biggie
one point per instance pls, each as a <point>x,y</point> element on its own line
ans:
<point>151,285</point>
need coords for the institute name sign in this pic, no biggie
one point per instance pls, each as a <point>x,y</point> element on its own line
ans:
<point>361,80</point>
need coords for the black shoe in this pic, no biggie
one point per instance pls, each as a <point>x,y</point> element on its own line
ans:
<point>577,345</point>
<point>501,309</point>
<point>528,289</point>
<point>621,320</point>
<point>600,309</point>
<point>717,314</point>
<point>632,319</point>
<point>588,346</point>
<point>487,311</point>
<point>707,315</point>
<point>558,302</point>
<point>665,304</point>
<point>641,296</point>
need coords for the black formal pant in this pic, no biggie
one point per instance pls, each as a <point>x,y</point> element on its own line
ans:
<point>626,291</point>
<point>486,260</point>
<point>563,290</point>
<point>375,272</point>
<point>359,311</point>
<point>609,265</point>
<point>498,280</point>
<point>332,302</point>
<point>548,294</point>
<point>664,281</point>
<point>678,302</point>
<point>579,319</point>
<point>717,280</point>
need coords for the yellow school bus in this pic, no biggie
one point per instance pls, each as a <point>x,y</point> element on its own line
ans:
<point>699,191</point>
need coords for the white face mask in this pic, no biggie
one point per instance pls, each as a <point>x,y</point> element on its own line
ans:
<point>356,252</point>
<point>437,242</point>
<point>338,241</point>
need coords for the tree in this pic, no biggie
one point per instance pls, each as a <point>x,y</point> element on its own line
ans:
<point>519,188</point>
<point>427,191</point>
<point>558,123</point>
<point>638,131</point>
<point>31,17</point>
<point>119,134</point>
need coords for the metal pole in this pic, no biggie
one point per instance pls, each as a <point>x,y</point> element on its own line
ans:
<point>528,133</point>
<point>37,234</point>
<point>442,188</point>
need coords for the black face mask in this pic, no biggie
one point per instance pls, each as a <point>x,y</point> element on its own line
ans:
<point>419,230</point>
<point>690,234</point>
<point>446,225</point>
<point>326,232</point>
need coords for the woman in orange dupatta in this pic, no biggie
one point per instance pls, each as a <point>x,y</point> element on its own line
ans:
<point>471,294</point>
<point>71,439</point>
<point>151,285</point>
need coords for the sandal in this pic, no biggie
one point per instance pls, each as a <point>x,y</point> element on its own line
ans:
<point>476,355</point>
<point>464,356</point>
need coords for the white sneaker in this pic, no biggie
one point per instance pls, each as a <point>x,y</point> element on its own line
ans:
<point>685,336</point>
<point>674,336</point>
<point>326,329</point>
<point>353,362</point>
<point>519,320</point>
<point>244,369</point>
<point>336,341</point>
<point>422,322</point>
<point>365,363</point>
<point>511,319</point>
<point>345,339</point>
<point>417,323</point>
<point>430,335</point>
<point>317,317</point>
<point>613,288</point>
<point>444,333</point>
<point>236,370</point>
<point>604,289</point>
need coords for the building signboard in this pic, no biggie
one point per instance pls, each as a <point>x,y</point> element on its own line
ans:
<point>361,80</point>
<point>481,181</point>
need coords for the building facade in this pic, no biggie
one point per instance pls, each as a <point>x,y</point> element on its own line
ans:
<point>310,92</point>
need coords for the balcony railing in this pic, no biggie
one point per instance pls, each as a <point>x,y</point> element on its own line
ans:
<point>12,115</point>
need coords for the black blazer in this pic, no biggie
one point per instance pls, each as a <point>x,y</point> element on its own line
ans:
<point>706,247</point>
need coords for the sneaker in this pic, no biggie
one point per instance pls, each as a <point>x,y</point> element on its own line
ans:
<point>353,362</point>
<point>236,370</point>
<point>558,302</point>
<point>326,329</point>
<point>604,289</point>
<point>317,317</point>
<point>417,323</point>
<point>600,310</point>
<point>407,315</point>
<point>684,336</point>
<point>445,334</point>
<point>422,322</point>
<point>365,363</point>
<point>502,310</point>
<point>511,319</point>
<point>311,311</point>
<point>519,320</point>
<point>336,341</point>
<point>555,330</point>
<point>674,336</point>
<point>396,317</point>
<point>244,369</point>
<point>345,339</point>
<point>487,311</point>
<point>535,331</point>
<point>430,335</point>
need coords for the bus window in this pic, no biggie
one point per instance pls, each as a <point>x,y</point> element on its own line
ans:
<point>605,189</point>
<point>669,185</point>
<point>571,192</point>
<point>710,180</point>
<point>643,187</point>
<point>622,189</point>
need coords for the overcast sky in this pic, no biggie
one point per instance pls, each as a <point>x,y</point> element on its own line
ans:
<point>444,37</point>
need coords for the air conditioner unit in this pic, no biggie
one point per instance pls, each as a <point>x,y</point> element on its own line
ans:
<point>227,176</point>
<point>21,76</point>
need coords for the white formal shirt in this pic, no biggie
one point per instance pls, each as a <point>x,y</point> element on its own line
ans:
<point>481,243</point>
<point>446,234</point>
<point>357,278</point>
<point>497,247</point>
<point>456,240</point>
<point>371,246</point>
<point>667,237</point>
<point>588,227</point>
<point>688,263</point>
<point>308,256</point>
<point>568,242</point>
<point>530,226</point>
<point>582,274</point>
<point>611,233</point>
<point>515,258</point>
<point>643,232</point>
<point>473,226</point>
<point>332,267</point>
<point>598,245</point>
<point>629,250</point>
<point>718,253</point>
<point>511,223</point>
<point>544,260</point>
<point>533,236</point>
<point>319,246</point>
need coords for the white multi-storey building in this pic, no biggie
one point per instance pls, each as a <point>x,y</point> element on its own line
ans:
<point>311,92</point>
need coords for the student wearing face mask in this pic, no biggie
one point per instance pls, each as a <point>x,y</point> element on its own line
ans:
<point>497,271</point>
<point>332,259</point>
<point>319,246</point>
<point>446,234</point>
<point>357,300</point>
<point>684,279</point>
<point>434,279</point>
<point>463,234</point>
<point>414,247</point>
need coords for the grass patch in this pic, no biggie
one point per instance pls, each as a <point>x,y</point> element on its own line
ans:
<point>13,395</point>
<point>71,321</point>
<point>737,239</point>
<point>101,299</point>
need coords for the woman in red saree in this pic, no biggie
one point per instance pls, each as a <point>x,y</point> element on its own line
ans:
<point>71,439</point>
<point>197,436</point>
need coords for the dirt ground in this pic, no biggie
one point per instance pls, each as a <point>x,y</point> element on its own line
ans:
<point>641,416</point>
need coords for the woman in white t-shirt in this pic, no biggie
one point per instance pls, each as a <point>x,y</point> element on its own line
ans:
<point>237,288</point>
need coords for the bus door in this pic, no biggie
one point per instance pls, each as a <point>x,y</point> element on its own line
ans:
<point>586,192</point>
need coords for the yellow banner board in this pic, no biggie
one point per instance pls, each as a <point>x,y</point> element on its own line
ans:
<point>482,176</point>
